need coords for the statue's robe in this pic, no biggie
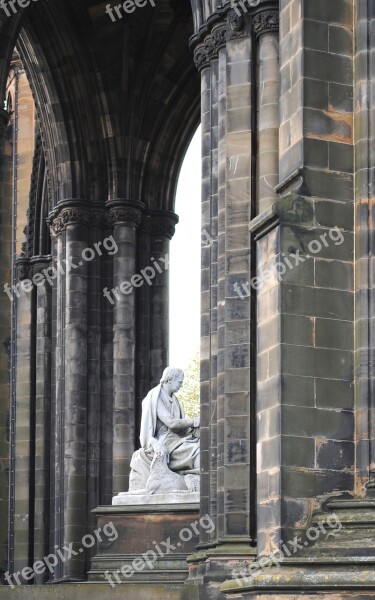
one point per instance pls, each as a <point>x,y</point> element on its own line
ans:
<point>163,420</point>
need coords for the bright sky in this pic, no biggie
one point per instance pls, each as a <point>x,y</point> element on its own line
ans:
<point>185,267</point>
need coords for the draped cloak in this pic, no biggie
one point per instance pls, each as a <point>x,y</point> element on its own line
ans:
<point>183,447</point>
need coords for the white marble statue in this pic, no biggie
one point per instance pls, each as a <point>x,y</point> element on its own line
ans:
<point>168,460</point>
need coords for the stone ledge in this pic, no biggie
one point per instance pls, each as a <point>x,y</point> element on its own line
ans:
<point>304,577</point>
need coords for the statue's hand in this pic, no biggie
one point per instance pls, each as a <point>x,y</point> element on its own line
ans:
<point>196,432</point>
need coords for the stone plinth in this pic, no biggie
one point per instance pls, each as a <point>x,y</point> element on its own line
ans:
<point>153,543</point>
<point>127,499</point>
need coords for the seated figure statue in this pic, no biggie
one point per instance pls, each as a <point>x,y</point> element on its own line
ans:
<point>168,459</point>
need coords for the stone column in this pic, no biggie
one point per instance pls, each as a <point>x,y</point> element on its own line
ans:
<point>95,355</point>
<point>23,416</point>
<point>125,217</point>
<point>5,323</point>
<point>364,114</point>
<point>207,410</point>
<point>143,295</point>
<point>106,377</point>
<point>266,28</point>
<point>42,410</point>
<point>227,64</point>
<point>162,229</point>
<point>71,458</point>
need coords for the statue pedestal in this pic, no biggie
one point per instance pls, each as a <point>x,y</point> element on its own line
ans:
<point>154,540</point>
<point>127,499</point>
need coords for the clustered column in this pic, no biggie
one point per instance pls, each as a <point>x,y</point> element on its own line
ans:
<point>227,130</point>
<point>5,323</point>
<point>43,331</point>
<point>71,418</point>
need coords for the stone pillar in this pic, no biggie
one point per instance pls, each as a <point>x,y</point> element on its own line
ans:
<point>5,323</point>
<point>42,411</point>
<point>23,416</point>
<point>226,59</point>
<point>364,97</point>
<point>125,217</point>
<point>266,28</point>
<point>306,309</point>
<point>71,456</point>
<point>143,295</point>
<point>209,289</point>
<point>162,229</point>
<point>106,377</point>
<point>95,355</point>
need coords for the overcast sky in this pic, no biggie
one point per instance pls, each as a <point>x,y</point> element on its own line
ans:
<point>185,268</point>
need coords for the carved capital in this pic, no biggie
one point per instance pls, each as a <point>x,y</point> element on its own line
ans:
<point>98,218</point>
<point>129,216</point>
<point>39,264</point>
<point>266,21</point>
<point>205,52</point>
<point>68,217</point>
<point>127,212</point>
<point>23,269</point>
<point>233,27</point>
<point>76,212</point>
<point>163,224</point>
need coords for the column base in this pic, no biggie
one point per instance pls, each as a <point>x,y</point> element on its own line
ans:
<point>210,567</point>
<point>343,560</point>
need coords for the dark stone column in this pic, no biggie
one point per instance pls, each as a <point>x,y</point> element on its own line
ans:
<point>71,227</point>
<point>125,217</point>
<point>95,356</point>
<point>226,59</point>
<point>162,230</point>
<point>23,415</point>
<point>266,27</point>
<point>5,324</point>
<point>106,378</point>
<point>143,295</point>
<point>42,411</point>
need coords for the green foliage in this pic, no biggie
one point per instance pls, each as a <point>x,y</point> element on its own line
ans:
<point>189,395</point>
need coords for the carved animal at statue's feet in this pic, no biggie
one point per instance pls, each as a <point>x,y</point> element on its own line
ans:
<point>162,480</point>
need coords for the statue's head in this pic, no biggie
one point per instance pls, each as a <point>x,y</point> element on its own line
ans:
<point>174,377</point>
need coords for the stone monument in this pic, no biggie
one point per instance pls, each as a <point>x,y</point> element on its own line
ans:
<point>166,467</point>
